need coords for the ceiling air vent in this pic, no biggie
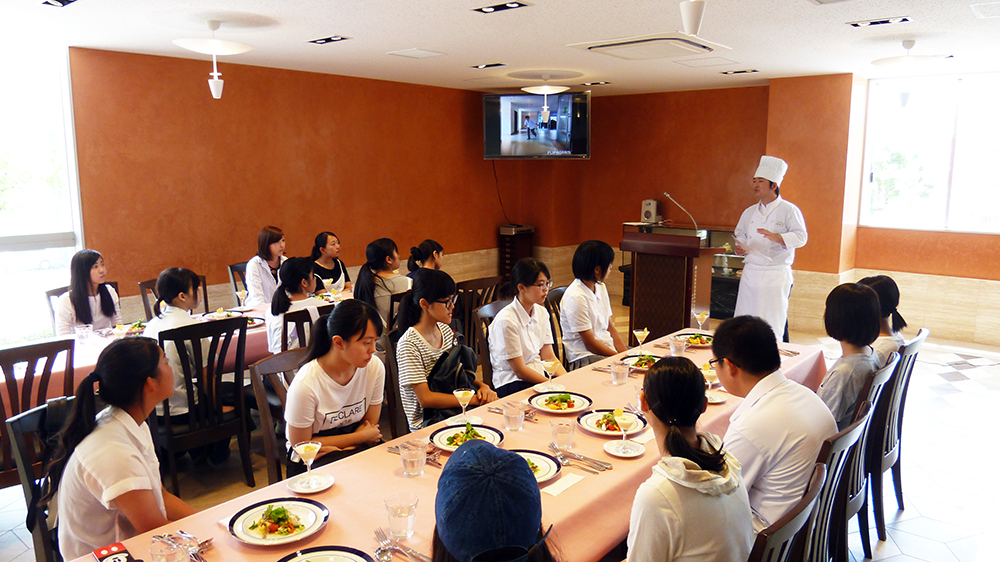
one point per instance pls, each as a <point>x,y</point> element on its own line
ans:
<point>881,21</point>
<point>661,46</point>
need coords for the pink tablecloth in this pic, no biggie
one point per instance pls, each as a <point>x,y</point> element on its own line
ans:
<point>590,517</point>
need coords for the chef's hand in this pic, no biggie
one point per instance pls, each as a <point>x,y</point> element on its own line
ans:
<point>740,250</point>
<point>773,237</point>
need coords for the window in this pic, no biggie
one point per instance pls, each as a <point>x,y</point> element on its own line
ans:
<point>931,144</point>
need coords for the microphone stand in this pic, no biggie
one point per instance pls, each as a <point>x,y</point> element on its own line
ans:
<point>686,211</point>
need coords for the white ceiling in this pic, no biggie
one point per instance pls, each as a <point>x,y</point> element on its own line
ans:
<point>780,38</point>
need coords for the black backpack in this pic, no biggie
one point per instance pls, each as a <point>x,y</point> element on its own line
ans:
<point>455,368</point>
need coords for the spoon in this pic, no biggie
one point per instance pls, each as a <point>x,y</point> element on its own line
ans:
<point>383,554</point>
<point>564,460</point>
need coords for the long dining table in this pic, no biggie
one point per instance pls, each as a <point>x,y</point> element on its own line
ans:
<point>589,517</point>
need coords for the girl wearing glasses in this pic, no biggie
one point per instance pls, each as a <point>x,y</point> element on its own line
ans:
<point>423,318</point>
<point>520,336</point>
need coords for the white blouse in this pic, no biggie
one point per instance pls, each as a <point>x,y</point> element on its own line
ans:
<point>260,283</point>
<point>66,314</point>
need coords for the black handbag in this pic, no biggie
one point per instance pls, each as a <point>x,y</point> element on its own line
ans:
<point>455,368</point>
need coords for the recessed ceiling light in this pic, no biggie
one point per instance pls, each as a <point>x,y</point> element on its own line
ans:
<point>58,3</point>
<point>987,10</point>
<point>880,21</point>
<point>500,7</point>
<point>330,39</point>
<point>747,71</point>
<point>601,83</point>
<point>490,65</point>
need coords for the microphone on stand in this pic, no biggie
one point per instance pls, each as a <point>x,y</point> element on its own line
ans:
<point>685,210</point>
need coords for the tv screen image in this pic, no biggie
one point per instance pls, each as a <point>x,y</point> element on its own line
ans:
<point>517,126</point>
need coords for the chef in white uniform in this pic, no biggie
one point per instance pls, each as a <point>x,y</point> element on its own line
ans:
<point>767,235</point>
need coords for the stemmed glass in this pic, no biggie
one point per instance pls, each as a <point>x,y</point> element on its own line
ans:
<point>641,335</point>
<point>464,396</point>
<point>241,297</point>
<point>626,422</point>
<point>550,368</point>
<point>307,451</point>
<point>701,317</point>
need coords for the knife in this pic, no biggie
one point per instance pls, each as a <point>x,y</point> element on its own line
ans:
<point>595,462</point>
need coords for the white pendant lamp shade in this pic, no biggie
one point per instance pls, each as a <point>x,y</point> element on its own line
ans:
<point>545,90</point>
<point>909,60</point>
<point>213,46</point>
<point>215,85</point>
<point>691,14</point>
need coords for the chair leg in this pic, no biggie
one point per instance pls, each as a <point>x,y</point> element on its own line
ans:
<point>897,481</point>
<point>877,503</point>
<point>243,438</point>
<point>866,542</point>
<point>172,465</point>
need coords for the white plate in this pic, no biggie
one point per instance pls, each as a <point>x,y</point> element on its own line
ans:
<point>580,403</point>
<point>241,309</point>
<point>611,446</point>
<point>490,435</point>
<point>295,484</point>
<point>548,387</point>
<point>254,322</point>
<point>457,420</point>
<point>715,397</point>
<point>311,513</point>
<point>328,554</point>
<point>699,346</point>
<point>588,421</point>
<point>548,466</point>
<point>632,359</point>
<point>222,316</point>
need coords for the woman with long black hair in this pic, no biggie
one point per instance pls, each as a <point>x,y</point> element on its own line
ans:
<point>294,292</point>
<point>90,299</point>
<point>327,263</point>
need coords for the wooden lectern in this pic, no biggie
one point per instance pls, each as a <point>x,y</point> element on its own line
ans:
<point>670,274</point>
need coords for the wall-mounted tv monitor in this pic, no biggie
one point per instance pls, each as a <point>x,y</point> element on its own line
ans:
<point>517,126</point>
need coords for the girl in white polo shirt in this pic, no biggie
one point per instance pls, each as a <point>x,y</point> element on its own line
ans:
<point>520,336</point>
<point>336,396</point>
<point>589,332</point>
<point>104,472</point>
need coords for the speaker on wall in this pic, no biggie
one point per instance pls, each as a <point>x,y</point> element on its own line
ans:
<point>650,211</point>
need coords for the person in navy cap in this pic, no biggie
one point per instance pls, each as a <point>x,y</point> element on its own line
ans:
<point>488,508</point>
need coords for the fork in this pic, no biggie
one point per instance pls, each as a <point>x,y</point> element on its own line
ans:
<point>387,541</point>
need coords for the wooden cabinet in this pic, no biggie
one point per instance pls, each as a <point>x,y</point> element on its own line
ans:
<point>513,247</point>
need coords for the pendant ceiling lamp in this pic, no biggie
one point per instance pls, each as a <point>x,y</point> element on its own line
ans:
<point>909,60</point>
<point>214,47</point>
<point>691,14</point>
<point>545,91</point>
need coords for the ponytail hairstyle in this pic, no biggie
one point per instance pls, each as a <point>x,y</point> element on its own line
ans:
<point>375,254</point>
<point>525,272</point>
<point>428,284</point>
<point>292,273</point>
<point>675,392</point>
<point>173,282</point>
<point>79,287</point>
<point>120,373</point>
<point>349,319</point>
<point>888,298</point>
<point>268,235</point>
<point>320,242</point>
<point>423,252</point>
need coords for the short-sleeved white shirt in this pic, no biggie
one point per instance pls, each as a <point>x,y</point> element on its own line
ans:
<point>843,383</point>
<point>885,345</point>
<point>317,401</point>
<point>172,317</point>
<point>581,310</point>
<point>415,358</point>
<point>116,458</point>
<point>66,315</point>
<point>515,334</point>
<point>273,323</point>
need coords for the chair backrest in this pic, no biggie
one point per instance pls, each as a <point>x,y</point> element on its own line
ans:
<point>20,391</point>
<point>834,454</point>
<point>398,424</point>
<point>52,295</point>
<point>473,294</point>
<point>202,349</point>
<point>394,301</point>
<point>887,420</point>
<point>149,287</point>
<point>775,543</point>
<point>238,279</point>
<point>484,317</point>
<point>31,433</point>
<point>278,370</point>
<point>553,303</point>
<point>300,319</point>
<point>854,481</point>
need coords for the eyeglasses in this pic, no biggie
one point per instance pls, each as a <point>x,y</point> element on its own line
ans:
<point>712,362</point>
<point>544,285</point>
<point>449,302</point>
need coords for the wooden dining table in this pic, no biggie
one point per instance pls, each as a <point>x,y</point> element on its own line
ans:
<point>589,518</point>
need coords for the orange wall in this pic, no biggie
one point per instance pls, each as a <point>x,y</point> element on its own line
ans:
<point>171,177</point>
<point>957,254</point>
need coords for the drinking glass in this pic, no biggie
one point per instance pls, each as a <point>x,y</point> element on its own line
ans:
<point>464,396</point>
<point>164,551</point>
<point>513,415</point>
<point>701,317</point>
<point>550,368</point>
<point>641,336</point>
<point>414,455</point>
<point>562,434</point>
<point>626,422</point>
<point>307,451</point>
<point>402,511</point>
<point>241,297</point>
<point>678,345</point>
<point>619,372</point>
<point>83,332</point>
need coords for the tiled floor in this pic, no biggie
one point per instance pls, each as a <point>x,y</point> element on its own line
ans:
<point>950,444</point>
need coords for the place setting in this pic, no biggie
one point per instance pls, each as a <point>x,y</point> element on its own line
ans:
<point>309,483</point>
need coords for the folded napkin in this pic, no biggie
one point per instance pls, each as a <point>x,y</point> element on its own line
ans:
<point>563,482</point>
<point>644,437</point>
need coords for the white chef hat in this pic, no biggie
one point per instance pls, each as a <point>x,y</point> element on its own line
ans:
<point>772,169</point>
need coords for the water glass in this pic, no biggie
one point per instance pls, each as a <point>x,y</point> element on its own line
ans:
<point>562,434</point>
<point>163,551</point>
<point>513,415</point>
<point>619,372</point>
<point>414,455</point>
<point>402,510</point>
<point>83,332</point>
<point>678,345</point>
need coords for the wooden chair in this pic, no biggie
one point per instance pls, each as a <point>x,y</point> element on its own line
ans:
<point>852,498</point>
<point>52,295</point>
<point>834,454</point>
<point>209,419</point>
<point>393,403</point>
<point>777,542</point>
<point>238,277</point>
<point>33,433</point>
<point>484,317</point>
<point>27,395</point>
<point>278,370</point>
<point>147,288</point>
<point>886,435</point>
<point>394,301</point>
<point>473,294</point>
<point>299,320</point>
<point>553,303</point>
